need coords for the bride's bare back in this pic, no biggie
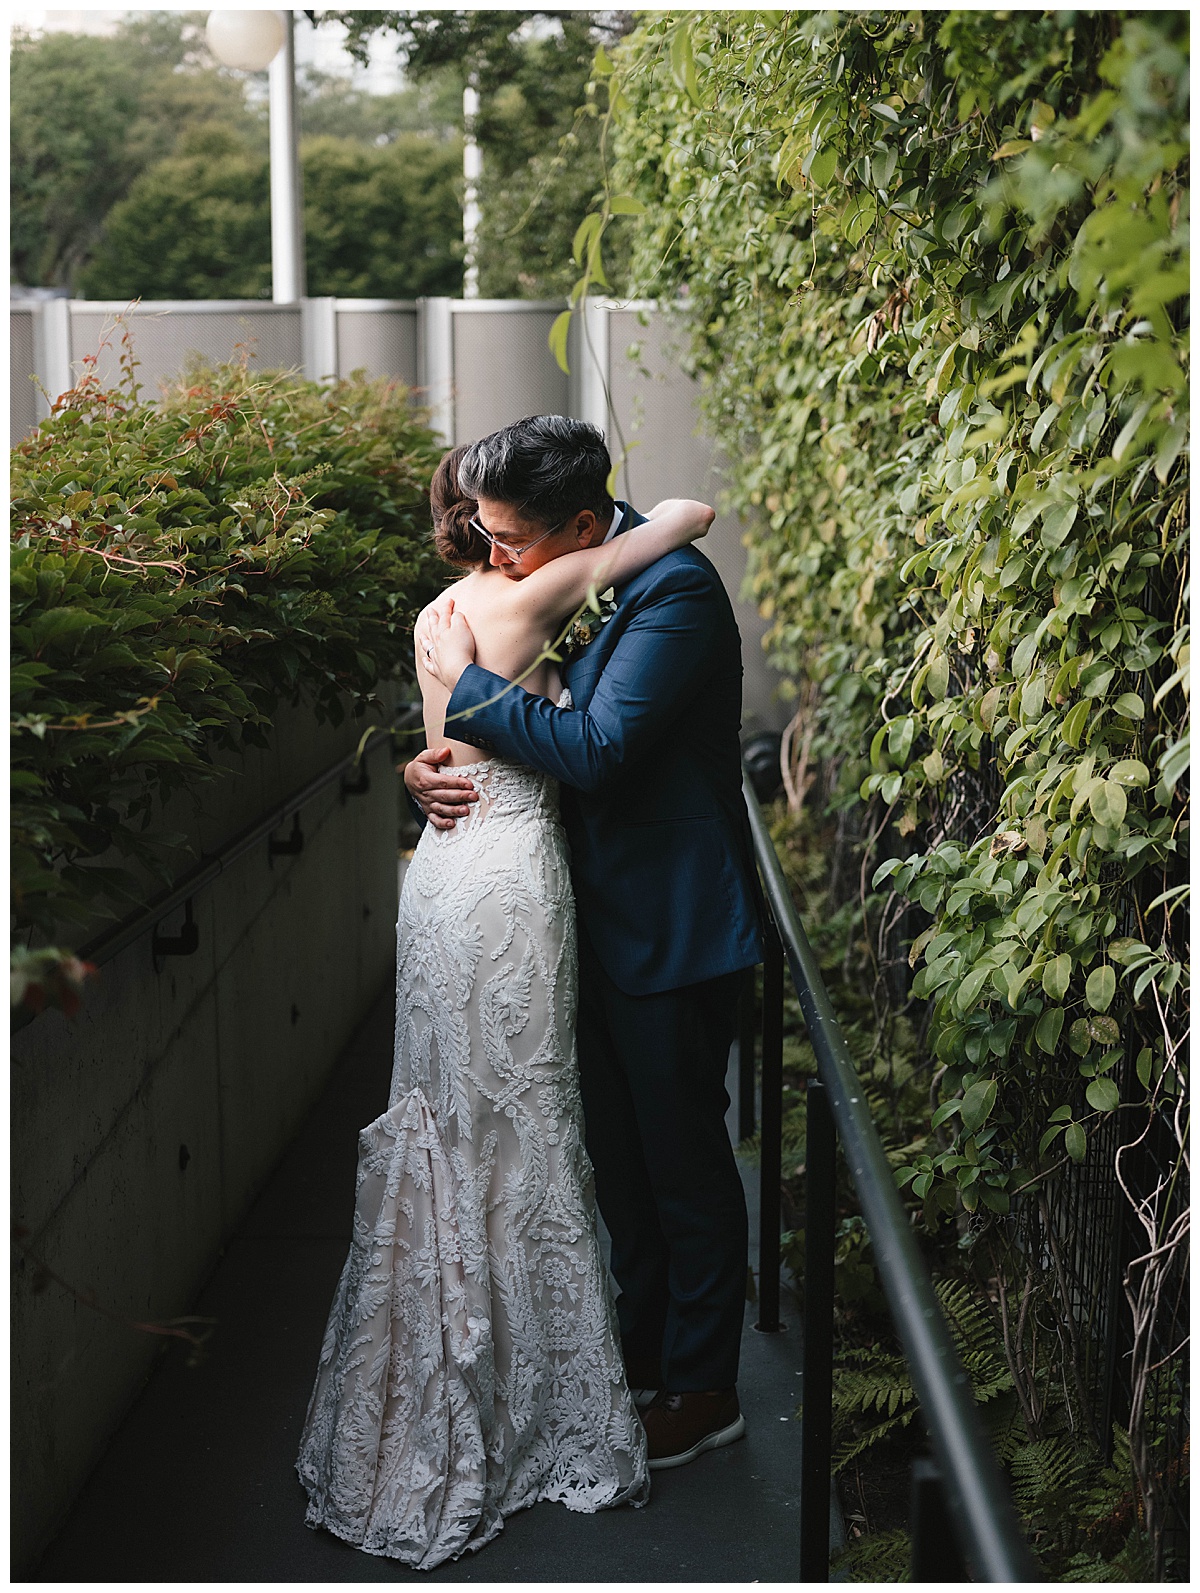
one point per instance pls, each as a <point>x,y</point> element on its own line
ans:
<point>504,644</point>
<point>513,621</point>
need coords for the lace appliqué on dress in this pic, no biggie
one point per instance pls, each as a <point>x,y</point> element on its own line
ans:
<point>471,1364</point>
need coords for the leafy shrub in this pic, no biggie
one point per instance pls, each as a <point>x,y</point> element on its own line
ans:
<point>181,568</point>
<point>46,977</point>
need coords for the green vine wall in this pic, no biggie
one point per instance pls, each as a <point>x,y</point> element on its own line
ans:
<point>934,268</point>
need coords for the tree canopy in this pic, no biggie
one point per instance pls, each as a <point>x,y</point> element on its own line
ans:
<point>140,169</point>
<point>88,115</point>
<point>380,222</point>
<point>537,128</point>
<point>114,189</point>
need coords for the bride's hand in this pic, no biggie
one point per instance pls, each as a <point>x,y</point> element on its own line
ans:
<point>445,643</point>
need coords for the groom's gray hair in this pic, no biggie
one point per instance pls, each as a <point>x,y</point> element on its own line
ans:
<point>547,466</point>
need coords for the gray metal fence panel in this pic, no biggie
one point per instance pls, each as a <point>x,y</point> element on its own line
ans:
<point>22,391</point>
<point>654,414</point>
<point>653,410</point>
<point>166,332</point>
<point>503,367</point>
<point>378,336</point>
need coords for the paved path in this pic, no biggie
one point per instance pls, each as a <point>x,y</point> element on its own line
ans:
<point>198,1485</point>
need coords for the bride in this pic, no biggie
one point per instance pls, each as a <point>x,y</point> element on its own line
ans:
<point>471,1363</point>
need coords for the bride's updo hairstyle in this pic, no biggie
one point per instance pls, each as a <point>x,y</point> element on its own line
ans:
<point>453,534</point>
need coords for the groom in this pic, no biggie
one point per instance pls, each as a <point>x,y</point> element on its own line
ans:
<point>666,899</point>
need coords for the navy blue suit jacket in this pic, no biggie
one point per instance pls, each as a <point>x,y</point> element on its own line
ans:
<point>649,764</point>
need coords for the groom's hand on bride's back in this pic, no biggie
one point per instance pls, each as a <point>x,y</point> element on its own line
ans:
<point>441,796</point>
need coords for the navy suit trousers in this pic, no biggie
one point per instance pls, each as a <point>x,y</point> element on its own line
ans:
<point>652,1073</point>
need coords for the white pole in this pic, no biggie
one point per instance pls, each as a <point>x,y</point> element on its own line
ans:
<point>287,208</point>
<point>472,166</point>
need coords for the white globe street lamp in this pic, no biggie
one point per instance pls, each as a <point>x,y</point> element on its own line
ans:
<point>250,41</point>
<point>247,40</point>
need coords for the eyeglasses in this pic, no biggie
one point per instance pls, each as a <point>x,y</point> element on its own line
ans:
<point>515,554</point>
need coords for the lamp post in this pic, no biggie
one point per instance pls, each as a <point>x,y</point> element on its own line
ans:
<point>250,41</point>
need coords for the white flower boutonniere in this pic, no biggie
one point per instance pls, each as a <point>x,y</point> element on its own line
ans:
<point>585,627</point>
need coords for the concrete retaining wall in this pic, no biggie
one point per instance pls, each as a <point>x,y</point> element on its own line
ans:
<point>143,1129</point>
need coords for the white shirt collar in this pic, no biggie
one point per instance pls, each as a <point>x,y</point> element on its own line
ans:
<point>618,520</point>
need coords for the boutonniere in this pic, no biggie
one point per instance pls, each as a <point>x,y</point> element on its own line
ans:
<point>585,627</point>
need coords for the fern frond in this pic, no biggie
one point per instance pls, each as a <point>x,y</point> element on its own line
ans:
<point>1006,1426</point>
<point>1043,1470</point>
<point>880,1557</point>
<point>1133,1563</point>
<point>869,1382</point>
<point>851,1447</point>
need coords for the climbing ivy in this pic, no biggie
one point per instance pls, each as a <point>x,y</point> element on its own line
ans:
<point>934,269</point>
<point>934,263</point>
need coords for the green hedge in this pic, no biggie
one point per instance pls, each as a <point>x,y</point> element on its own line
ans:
<point>179,569</point>
<point>935,267</point>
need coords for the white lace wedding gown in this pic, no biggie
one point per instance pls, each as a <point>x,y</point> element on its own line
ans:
<point>471,1365</point>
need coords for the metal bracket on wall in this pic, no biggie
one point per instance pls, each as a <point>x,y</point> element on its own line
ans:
<point>936,1556</point>
<point>359,786</point>
<point>181,945</point>
<point>104,947</point>
<point>294,844</point>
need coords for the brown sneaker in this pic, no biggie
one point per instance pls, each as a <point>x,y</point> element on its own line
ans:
<point>681,1426</point>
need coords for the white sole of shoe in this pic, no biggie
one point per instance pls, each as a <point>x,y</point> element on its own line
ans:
<point>717,1440</point>
<point>643,1398</point>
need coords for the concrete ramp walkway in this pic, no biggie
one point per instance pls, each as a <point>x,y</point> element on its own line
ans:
<point>198,1485</point>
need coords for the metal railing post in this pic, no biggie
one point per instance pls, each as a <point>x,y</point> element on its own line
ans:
<point>816,1426</point>
<point>591,363</point>
<point>935,1552</point>
<point>319,338</point>
<point>770,1143</point>
<point>52,350</point>
<point>746,1035</point>
<point>287,193</point>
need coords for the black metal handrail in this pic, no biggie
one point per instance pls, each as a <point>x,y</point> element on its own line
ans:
<point>965,1498</point>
